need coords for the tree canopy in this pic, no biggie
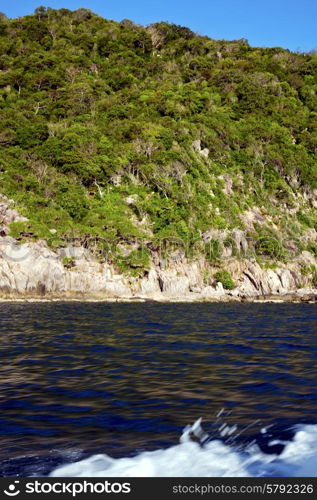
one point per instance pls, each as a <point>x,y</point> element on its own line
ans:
<point>120,133</point>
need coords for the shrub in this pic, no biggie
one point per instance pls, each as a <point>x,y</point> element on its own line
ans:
<point>213,251</point>
<point>225,278</point>
<point>68,262</point>
<point>96,111</point>
<point>136,263</point>
<point>314,276</point>
<point>312,247</point>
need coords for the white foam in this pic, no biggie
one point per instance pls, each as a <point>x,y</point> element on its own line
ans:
<point>213,459</point>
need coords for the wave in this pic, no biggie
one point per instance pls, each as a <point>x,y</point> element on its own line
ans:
<point>197,455</point>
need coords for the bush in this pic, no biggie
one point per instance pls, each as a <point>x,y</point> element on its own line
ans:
<point>136,263</point>
<point>213,251</point>
<point>68,262</point>
<point>97,111</point>
<point>314,276</point>
<point>312,247</point>
<point>225,278</point>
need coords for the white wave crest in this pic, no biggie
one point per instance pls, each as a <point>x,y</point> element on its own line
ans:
<point>212,459</point>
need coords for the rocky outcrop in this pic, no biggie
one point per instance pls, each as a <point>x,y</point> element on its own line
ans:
<point>29,268</point>
<point>8,215</point>
<point>177,286</point>
<point>34,270</point>
<point>197,147</point>
<point>151,285</point>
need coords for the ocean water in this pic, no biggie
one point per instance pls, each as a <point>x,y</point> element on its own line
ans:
<point>97,389</point>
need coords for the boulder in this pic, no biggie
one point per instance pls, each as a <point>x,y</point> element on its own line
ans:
<point>150,285</point>
<point>175,286</point>
<point>240,240</point>
<point>197,146</point>
<point>8,215</point>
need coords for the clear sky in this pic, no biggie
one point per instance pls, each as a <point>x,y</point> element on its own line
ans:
<point>284,23</point>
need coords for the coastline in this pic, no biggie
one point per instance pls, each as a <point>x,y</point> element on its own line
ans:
<point>32,272</point>
<point>291,298</point>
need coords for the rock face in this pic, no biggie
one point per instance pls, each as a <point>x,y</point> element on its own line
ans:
<point>34,270</point>
<point>8,215</point>
<point>150,286</point>
<point>175,286</point>
<point>29,268</point>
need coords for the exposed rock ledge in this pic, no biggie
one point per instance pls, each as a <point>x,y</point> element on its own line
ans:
<point>34,272</point>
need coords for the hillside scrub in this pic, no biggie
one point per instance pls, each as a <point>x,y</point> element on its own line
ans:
<point>117,134</point>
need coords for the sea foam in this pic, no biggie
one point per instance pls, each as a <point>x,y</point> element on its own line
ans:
<point>206,457</point>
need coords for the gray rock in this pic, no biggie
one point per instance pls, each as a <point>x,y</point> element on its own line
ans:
<point>240,240</point>
<point>287,280</point>
<point>77,253</point>
<point>8,215</point>
<point>150,285</point>
<point>175,286</point>
<point>197,146</point>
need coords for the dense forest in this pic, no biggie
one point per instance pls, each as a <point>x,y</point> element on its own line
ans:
<point>119,137</point>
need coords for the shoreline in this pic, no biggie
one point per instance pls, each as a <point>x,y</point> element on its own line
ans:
<point>40,275</point>
<point>292,298</point>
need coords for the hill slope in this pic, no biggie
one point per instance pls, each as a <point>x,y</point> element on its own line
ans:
<point>151,145</point>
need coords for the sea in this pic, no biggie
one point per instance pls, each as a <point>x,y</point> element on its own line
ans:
<point>158,389</point>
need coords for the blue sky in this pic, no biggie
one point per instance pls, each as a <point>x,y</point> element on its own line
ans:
<point>269,23</point>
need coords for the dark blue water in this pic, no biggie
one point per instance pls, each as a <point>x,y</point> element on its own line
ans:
<point>83,378</point>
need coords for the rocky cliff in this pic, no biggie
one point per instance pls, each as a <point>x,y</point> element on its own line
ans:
<point>32,270</point>
<point>153,162</point>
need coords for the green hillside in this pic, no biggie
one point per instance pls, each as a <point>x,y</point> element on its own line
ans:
<point>122,137</point>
